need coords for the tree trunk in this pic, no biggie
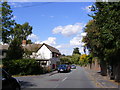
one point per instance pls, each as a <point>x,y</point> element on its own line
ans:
<point>117,73</point>
<point>103,67</point>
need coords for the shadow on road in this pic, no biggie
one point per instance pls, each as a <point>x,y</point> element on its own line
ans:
<point>25,84</point>
<point>65,71</point>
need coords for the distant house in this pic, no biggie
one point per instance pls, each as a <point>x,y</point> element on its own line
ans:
<point>46,55</point>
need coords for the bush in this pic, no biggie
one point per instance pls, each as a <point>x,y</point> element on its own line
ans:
<point>22,67</point>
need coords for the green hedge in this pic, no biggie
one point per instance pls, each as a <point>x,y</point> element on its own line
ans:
<point>22,67</point>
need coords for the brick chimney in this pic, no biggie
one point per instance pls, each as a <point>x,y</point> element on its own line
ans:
<point>23,42</point>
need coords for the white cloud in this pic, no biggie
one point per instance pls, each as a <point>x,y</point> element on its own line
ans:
<point>50,41</point>
<point>58,46</point>
<point>67,49</point>
<point>68,30</point>
<point>36,40</point>
<point>88,8</point>
<point>14,5</point>
<point>83,34</point>
<point>77,40</point>
<point>33,37</point>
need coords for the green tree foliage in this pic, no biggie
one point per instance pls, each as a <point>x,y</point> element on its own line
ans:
<point>21,31</point>
<point>22,67</point>
<point>13,33</point>
<point>85,59</point>
<point>29,41</point>
<point>75,59</point>
<point>93,43</point>
<point>103,33</point>
<point>65,60</point>
<point>76,51</point>
<point>10,29</point>
<point>15,50</point>
<point>7,22</point>
<point>108,13</point>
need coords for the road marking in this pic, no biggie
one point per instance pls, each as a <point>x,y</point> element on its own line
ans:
<point>61,81</point>
<point>64,79</point>
<point>56,85</point>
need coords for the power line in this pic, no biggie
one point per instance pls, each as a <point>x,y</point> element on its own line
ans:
<point>33,5</point>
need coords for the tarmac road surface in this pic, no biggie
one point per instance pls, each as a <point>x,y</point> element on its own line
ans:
<point>77,78</point>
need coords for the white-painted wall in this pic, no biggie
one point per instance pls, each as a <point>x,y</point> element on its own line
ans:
<point>43,53</point>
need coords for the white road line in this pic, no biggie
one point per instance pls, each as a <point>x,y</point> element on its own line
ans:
<point>64,79</point>
<point>56,85</point>
<point>61,81</point>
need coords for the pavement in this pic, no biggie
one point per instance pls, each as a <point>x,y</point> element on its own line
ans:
<point>102,81</point>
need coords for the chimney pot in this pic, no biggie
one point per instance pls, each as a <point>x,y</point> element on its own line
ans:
<point>23,42</point>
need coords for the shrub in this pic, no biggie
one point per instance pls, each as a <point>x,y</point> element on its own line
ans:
<point>22,67</point>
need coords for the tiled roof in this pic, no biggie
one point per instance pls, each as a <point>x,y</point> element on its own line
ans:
<point>33,47</point>
<point>52,49</point>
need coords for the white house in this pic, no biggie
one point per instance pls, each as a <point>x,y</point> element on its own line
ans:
<point>46,55</point>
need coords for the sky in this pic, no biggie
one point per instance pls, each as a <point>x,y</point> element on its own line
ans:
<point>59,24</point>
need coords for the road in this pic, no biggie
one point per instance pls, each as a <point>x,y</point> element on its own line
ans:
<point>77,78</point>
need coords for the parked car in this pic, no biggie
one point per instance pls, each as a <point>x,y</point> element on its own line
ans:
<point>64,68</point>
<point>8,82</point>
<point>73,66</point>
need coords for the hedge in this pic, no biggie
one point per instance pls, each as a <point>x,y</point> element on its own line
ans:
<point>22,67</point>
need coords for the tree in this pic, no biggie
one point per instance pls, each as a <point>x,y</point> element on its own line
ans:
<point>104,40</point>
<point>13,33</point>
<point>76,51</point>
<point>7,22</point>
<point>93,42</point>
<point>83,60</point>
<point>65,59</point>
<point>15,50</point>
<point>26,30</point>
<point>21,31</point>
<point>75,59</point>
<point>29,41</point>
<point>10,29</point>
<point>110,32</point>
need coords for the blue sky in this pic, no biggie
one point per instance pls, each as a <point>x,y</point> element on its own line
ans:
<point>59,24</point>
